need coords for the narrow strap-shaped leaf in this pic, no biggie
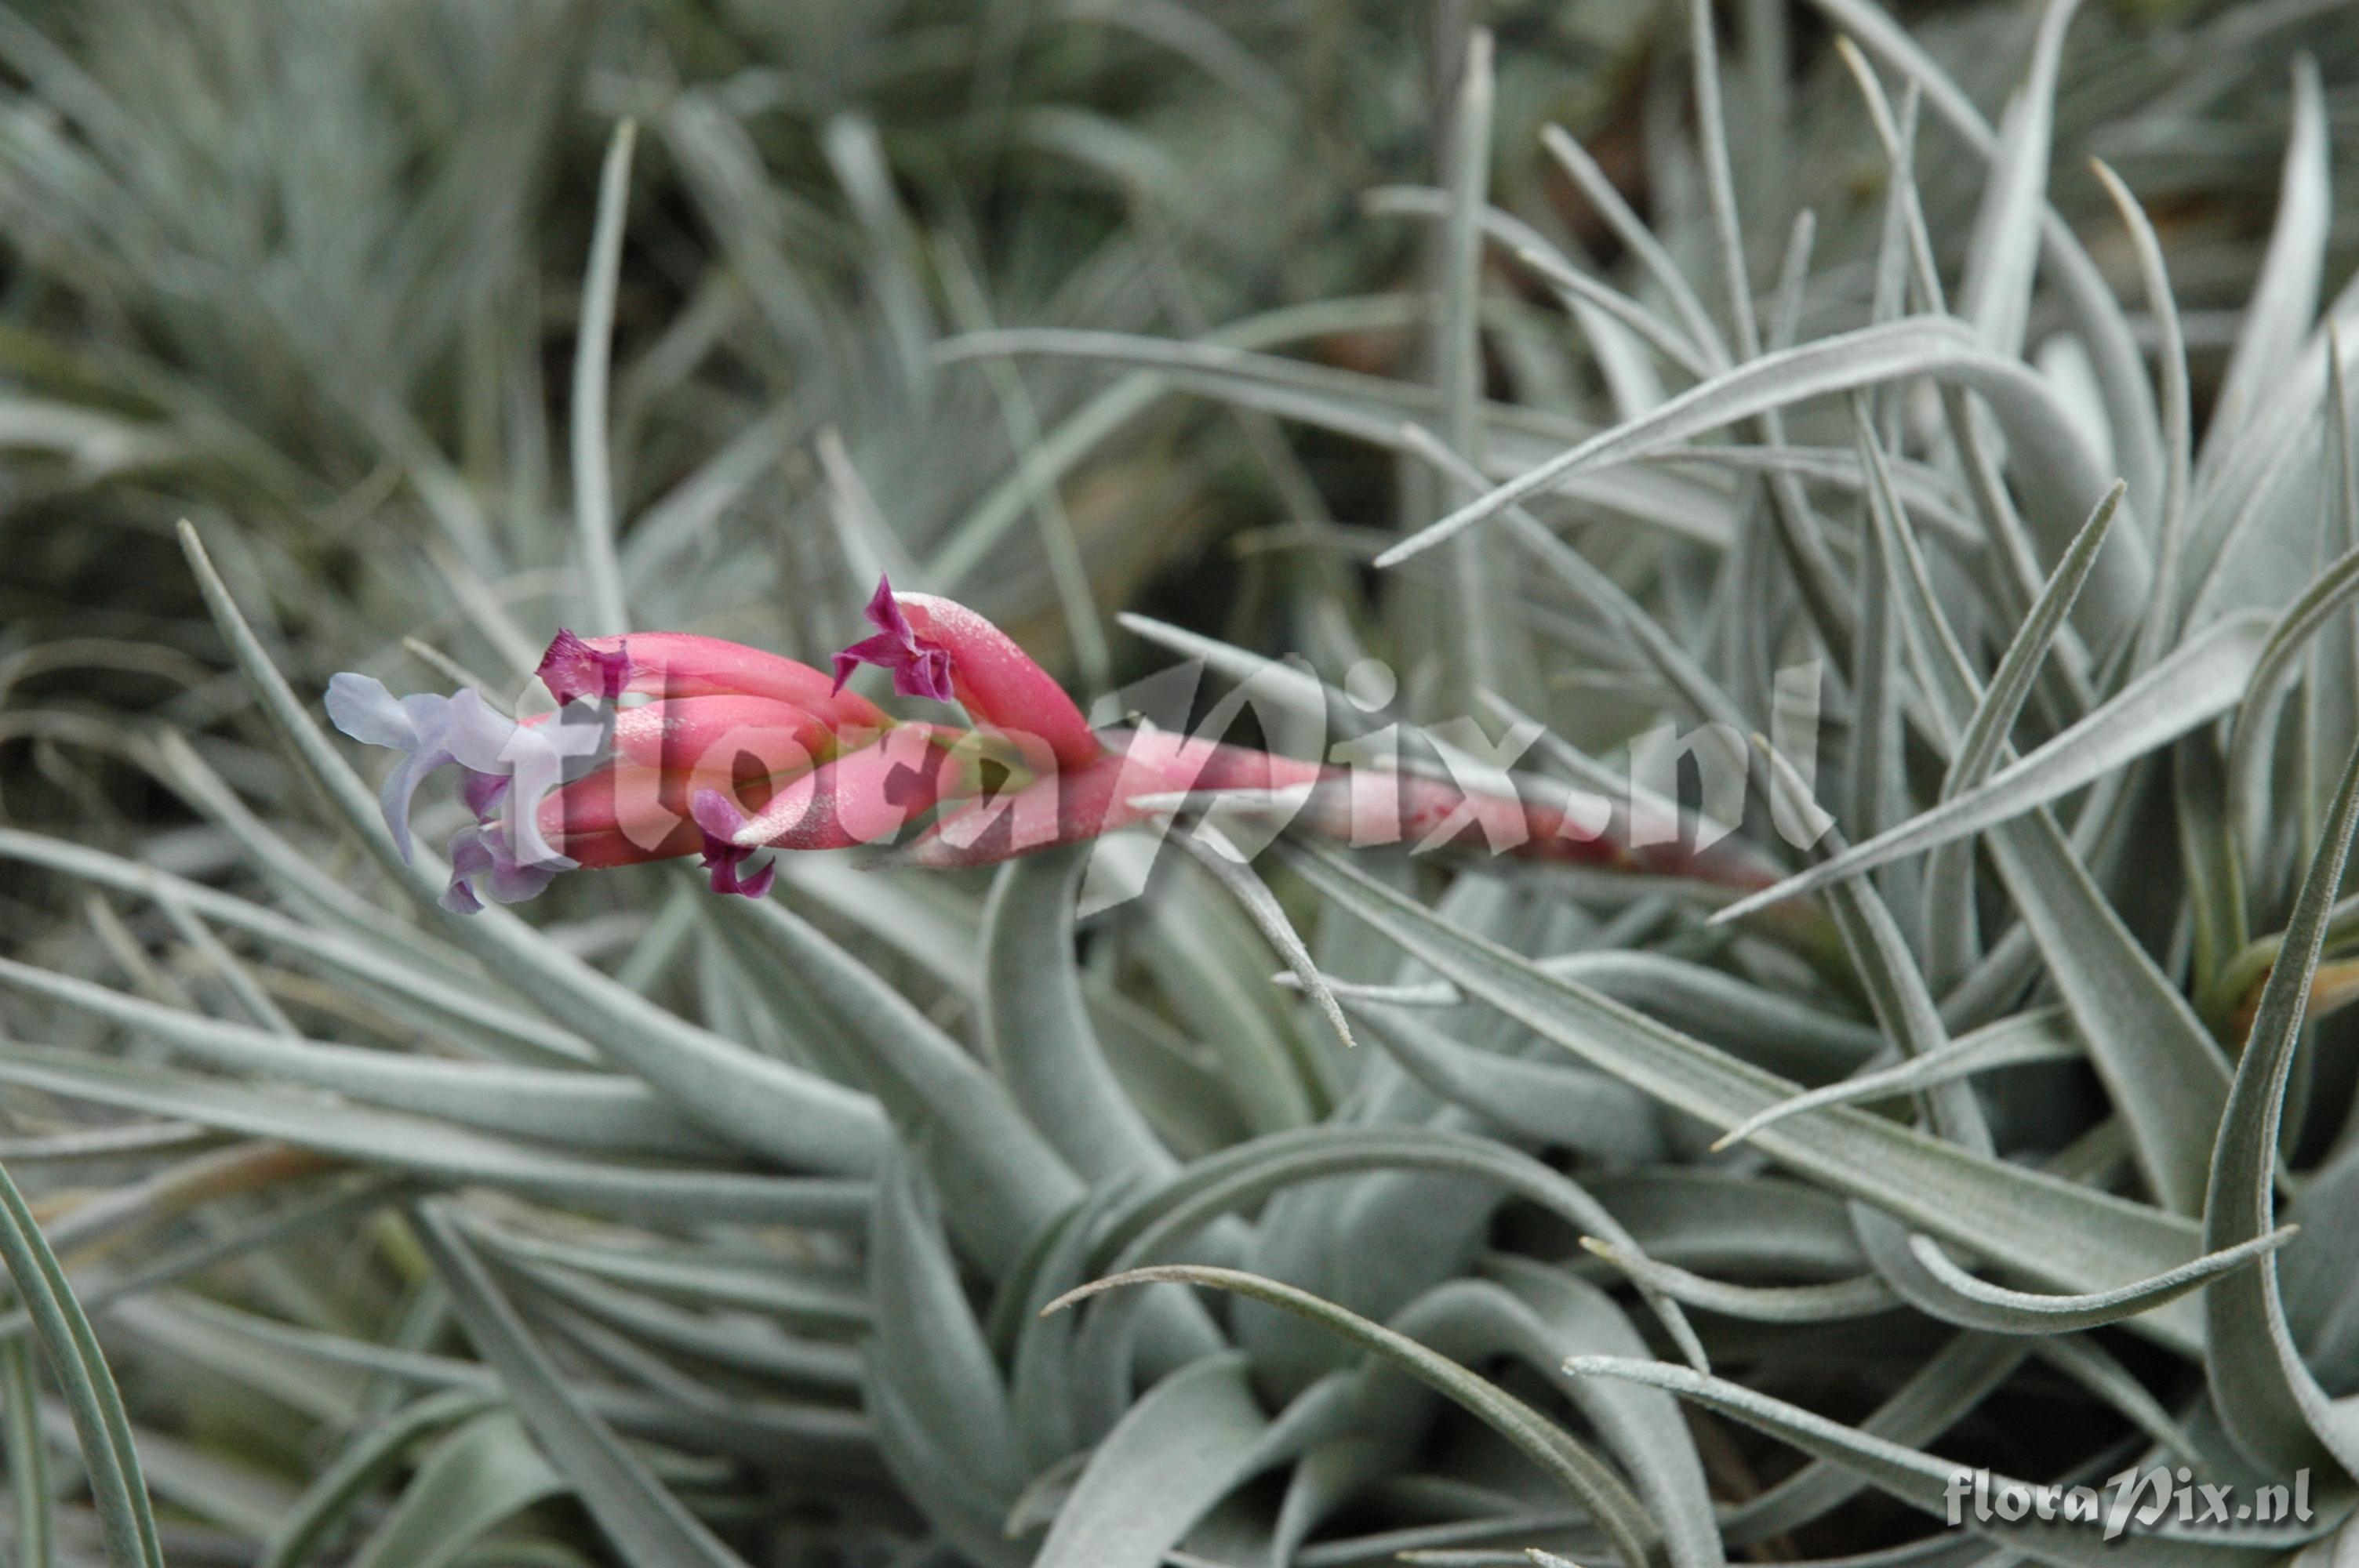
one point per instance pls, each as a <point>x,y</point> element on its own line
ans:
<point>1607,200</point>
<point>1996,291</point>
<point>2285,299</point>
<point>1036,1027</point>
<point>2088,300</point>
<point>1539,1316</point>
<point>649,1528</point>
<point>1994,1207</point>
<point>1687,996</point>
<point>436,1150</point>
<point>1971,1302</point>
<point>2042,1036</point>
<point>604,1111</point>
<point>1557,1105</point>
<point>1009,1180</point>
<point>593,480</point>
<point>468,1483</point>
<point>27,1454</point>
<point>459,1003</point>
<point>1835,1300</point>
<point>126,1518</point>
<point>2255,733</point>
<point>1983,741</point>
<point>1947,1387</point>
<point>2054,466</point>
<point>367,1460</point>
<point>927,1343</point>
<point>1896,991</point>
<point>2178,419</point>
<point>1180,1450</point>
<point>1227,863</point>
<point>1565,1458</point>
<point>2197,682</point>
<point>1922,1481</point>
<point>2270,1402</point>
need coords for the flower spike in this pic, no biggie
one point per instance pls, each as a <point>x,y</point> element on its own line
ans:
<point>919,668</point>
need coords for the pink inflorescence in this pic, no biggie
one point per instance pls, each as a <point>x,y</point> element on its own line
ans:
<point>735,750</point>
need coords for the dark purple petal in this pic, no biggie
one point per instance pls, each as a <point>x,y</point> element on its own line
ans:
<point>471,856</point>
<point>482,792</point>
<point>573,668</point>
<point>920,669</point>
<point>718,818</point>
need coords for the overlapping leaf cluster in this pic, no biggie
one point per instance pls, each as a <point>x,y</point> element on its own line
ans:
<point>669,1230</point>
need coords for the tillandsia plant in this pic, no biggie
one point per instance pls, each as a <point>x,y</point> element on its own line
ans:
<point>1887,1102</point>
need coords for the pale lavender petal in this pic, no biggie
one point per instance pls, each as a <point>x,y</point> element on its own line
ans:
<point>476,733</point>
<point>360,705</point>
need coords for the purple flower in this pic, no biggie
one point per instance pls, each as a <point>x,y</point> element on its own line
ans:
<point>429,731</point>
<point>718,818</point>
<point>920,669</point>
<point>506,769</point>
<point>483,851</point>
<point>573,668</point>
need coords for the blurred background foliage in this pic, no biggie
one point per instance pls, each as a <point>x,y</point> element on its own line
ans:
<point>310,275</point>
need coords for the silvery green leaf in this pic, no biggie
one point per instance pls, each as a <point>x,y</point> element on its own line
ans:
<point>1765,1027</point>
<point>2198,681</point>
<point>101,1424</point>
<point>1971,1302</point>
<point>1182,1447</point>
<point>811,1297</point>
<point>364,1461</point>
<point>26,1451</point>
<point>647,1526</point>
<point>2285,299</point>
<point>1581,1111</point>
<point>1010,1182</point>
<point>1562,1457</point>
<point>2044,1035</point>
<point>1916,1478</point>
<point>925,1343</point>
<point>2095,313</point>
<point>2177,420</point>
<point>594,500</point>
<point>1036,1026</point>
<point>437,1149</point>
<point>2269,1400</point>
<point>1229,866</point>
<point>2055,465</point>
<point>1994,1207</point>
<point>1158,1220</point>
<point>467,1484</point>
<point>1538,1316</point>
<point>1863,1295</point>
<point>1996,290</point>
<point>2255,729</point>
<point>600,1112</point>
